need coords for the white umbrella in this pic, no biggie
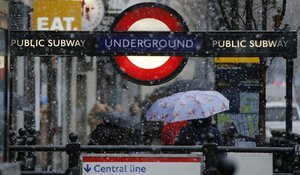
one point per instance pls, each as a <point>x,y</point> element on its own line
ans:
<point>187,106</point>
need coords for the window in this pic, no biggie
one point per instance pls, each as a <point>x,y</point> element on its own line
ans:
<point>278,114</point>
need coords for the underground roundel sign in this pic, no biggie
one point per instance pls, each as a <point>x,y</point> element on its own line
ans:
<point>147,17</point>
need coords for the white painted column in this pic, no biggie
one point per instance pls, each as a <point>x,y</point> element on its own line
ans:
<point>37,85</point>
<point>20,89</point>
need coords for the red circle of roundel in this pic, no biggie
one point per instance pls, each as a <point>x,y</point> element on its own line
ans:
<point>172,66</point>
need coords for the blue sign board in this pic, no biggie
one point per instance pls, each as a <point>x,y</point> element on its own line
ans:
<point>153,43</point>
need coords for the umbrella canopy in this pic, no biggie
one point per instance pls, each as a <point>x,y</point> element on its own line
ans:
<point>187,106</point>
<point>120,119</point>
<point>181,86</point>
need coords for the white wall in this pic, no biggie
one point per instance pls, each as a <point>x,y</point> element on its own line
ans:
<point>252,163</point>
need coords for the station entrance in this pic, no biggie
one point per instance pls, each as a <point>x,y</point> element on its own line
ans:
<point>62,48</point>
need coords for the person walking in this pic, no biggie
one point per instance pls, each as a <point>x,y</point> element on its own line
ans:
<point>103,132</point>
<point>112,127</point>
<point>98,108</point>
<point>136,134</point>
<point>107,133</point>
<point>170,131</point>
<point>229,133</point>
<point>199,132</point>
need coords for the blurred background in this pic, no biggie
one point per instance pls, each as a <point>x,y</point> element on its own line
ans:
<point>54,95</point>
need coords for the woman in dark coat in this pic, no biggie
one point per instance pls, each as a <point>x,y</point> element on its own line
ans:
<point>108,134</point>
<point>198,132</point>
<point>103,131</point>
<point>116,128</point>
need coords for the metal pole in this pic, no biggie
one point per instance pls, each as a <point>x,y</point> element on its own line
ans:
<point>262,102</point>
<point>289,97</point>
<point>210,153</point>
<point>73,151</point>
<point>7,98</point>
<point>149,148</point>
<point>37,85</point>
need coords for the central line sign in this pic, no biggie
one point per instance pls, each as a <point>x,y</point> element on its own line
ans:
<point>147,164</point>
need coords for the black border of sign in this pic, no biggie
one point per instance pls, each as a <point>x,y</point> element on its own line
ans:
<point>178,69</point>
<point>206,50</point>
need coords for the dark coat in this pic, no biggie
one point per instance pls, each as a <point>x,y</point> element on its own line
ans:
<point>109,134</point>
<point>198,132</point>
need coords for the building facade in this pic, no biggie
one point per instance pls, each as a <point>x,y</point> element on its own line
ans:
<point>3,85</point>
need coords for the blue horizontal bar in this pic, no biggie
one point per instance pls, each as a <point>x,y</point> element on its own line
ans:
<point>148,43</point>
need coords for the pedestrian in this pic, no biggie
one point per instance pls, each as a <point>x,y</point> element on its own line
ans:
<point>119,108</point>
<point>232,137</point>
<point>170,131</point>
<point>44,133</point>
<point>98,108</point>
<point>152,129</point>
<point>136,134</point>
<point>199,132</point>
<point>229,133</point>
<point>103,132</point>
<point>135,110</point>
<point>112,127</point>
<point>107,133</point>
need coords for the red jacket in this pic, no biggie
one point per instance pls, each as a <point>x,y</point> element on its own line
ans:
<point>170,131</point>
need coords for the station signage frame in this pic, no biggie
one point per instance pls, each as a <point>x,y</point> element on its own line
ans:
<point>204,44</point>
<point>145,30</point>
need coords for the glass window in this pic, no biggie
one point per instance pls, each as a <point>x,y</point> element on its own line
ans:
<point>278,114</point>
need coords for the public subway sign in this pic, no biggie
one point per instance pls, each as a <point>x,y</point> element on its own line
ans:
<point>149,43</point>
<point>50,43</point>
<point>253,44</point>
<point>121,164</point>
<point>202,44</point>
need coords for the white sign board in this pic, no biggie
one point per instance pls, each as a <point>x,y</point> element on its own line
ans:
<point>252,163</point>
<point>144,164</point>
